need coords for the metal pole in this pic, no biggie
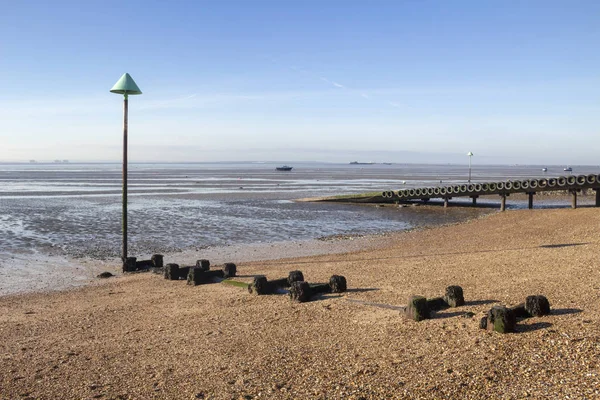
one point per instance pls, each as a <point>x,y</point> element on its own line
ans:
<point>125,112</point>
<point>469,169</point>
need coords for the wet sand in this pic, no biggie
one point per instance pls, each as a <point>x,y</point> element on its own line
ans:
<point>142,337</point>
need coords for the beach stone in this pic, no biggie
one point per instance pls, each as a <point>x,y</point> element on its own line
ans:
<point>129,264</point>
<point>320,288</point>
<point>172,272</point>
<point>259,285</point>
<point>337,283</point>
<point>203,264</point>
<point>229,269</point>
<point>295,276</point>
<point>483,323</point>
<point>300,291</point>
<point>157,260</point>
<point>417,309</point>
<point>537,305</point>
<point>104,275</point>
<point>501,319</point>
<point>437,304</point>
<point>454,296</point>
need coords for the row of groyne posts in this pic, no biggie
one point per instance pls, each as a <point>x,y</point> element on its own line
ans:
<point>573,184</point>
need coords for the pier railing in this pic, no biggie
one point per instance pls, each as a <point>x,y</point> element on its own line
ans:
<point>573,184</point>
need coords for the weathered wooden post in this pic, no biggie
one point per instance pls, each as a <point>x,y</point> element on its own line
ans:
<point>446,202</point>
<point>573,198</point>
<point>503,202</point>
<point>474,200</point>
<point>597,197</point>
<point>530,205</point>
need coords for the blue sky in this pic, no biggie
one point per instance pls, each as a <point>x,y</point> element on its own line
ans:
<point>387,81</point>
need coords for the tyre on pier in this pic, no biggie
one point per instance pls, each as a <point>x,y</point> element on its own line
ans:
<point>508,185</point>
<point>591,179</point>
<point>581,179</point>
<point>464,188</point>
<point>516,185</point>
<point>493,187</point>
<point>542,183</point>
<point>500,185</point>
<point>436,191</point>
<point>485,187</point>
<point>571,180</point>
<point>533,183</point>
<point>525,184</point>
<point>553,182</point>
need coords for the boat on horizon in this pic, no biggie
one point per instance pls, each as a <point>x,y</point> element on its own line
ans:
<point>361,163</point>
<point>284,168</point>
<point>544,169</point>
<point>568,169</point>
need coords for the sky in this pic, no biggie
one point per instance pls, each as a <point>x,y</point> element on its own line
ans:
<point>301,80</point>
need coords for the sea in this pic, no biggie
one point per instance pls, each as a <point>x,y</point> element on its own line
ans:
<point>72,210</point>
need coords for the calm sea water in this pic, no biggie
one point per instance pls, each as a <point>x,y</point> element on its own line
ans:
<point>75,209</point>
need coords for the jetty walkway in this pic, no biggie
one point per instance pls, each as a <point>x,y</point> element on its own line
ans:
<point>572,183</point>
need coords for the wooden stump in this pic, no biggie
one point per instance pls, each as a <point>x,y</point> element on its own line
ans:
<point>278,283</point>
<point>197,276</point>
<point>143,265</point>
<point>204,265</point>
<point>417,309</point>
<point>537,306</point>
<point>259,286</point>
<point>320,288</point>
<point>129,264</point>
<point>172,272</point>
<point>229,269</point>
<point>300,291</point>
<point>519,311</point>
<point>338,284</point>
<point>501,319</point>
<point>437,304</point>
<point>157,260</point>
<point>184,272</point>
<point>454,296</point>
<point>295,276</point>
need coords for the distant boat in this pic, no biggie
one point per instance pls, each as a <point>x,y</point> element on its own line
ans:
<point>568,169</point>
<point>544,169</point>
<point>284,168</point>
<point>361,163</point>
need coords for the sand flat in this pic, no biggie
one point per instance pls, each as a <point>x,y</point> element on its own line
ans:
<point>142,337</point>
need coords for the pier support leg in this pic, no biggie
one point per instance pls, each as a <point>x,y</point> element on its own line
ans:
<point>574,199</point>
<point>503,202</point>
<point>445,202</point>
<point>597,197</point>
<point>474,200</point>
<point>530,205</point>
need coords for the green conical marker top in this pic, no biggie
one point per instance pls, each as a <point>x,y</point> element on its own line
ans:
<point>126,85</point>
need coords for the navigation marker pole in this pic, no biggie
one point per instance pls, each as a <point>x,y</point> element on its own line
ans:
<point>470,155</point>
<point>125,86</point>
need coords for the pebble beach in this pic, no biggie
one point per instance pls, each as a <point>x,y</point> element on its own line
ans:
<point>140,336</point>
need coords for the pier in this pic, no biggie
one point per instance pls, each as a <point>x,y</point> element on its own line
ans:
<point>573,184</point>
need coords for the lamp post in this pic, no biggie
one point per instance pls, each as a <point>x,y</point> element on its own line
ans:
<point>470,155</point>
<point>125,86</point>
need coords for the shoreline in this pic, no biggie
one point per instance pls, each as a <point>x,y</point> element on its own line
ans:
<point>141,336</point>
